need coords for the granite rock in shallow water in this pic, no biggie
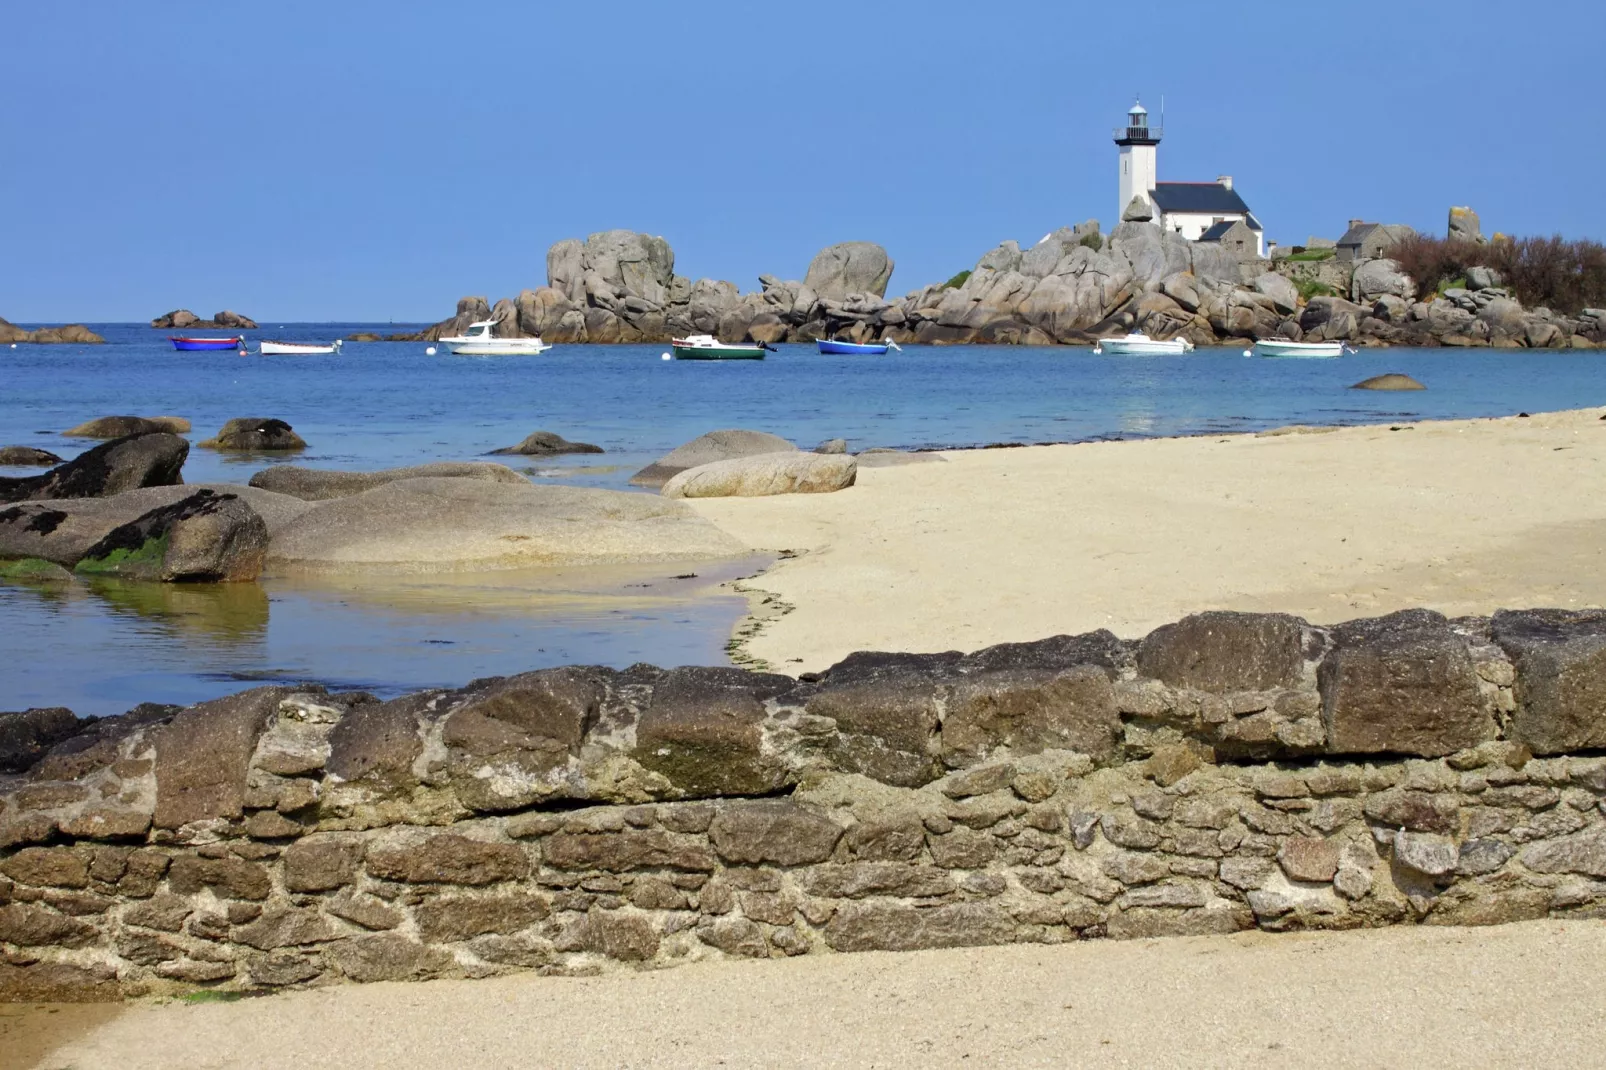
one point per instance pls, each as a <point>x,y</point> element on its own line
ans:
<point>252,433</point>
<point>764,475</point>
<point>443,525</point>
<point>547,444</point>
<point>206,537</point>
<point>63,530</point>
<point>27,457</point>
<point>143,460</point>
<point>706,449</point>
<point>316,485</point>
<point>1389,381</point>
<point>119,426</point>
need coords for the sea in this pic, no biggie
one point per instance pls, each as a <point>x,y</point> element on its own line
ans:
<point>104,647</point>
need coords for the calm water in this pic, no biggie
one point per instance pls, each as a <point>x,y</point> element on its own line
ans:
<point>386,404</point>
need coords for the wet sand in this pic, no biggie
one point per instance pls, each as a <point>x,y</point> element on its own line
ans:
<point>1463,516</point>
<point>1517,995</point>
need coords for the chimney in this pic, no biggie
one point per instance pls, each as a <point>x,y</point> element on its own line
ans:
<point>1355,223</point>
<point>1225,181</point>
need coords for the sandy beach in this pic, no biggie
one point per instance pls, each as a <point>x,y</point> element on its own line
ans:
<point>1518,995</point>
<point>990,546</point>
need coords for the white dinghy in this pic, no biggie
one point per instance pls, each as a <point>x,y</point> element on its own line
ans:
<point>1279,347</point>
<point>298,349</point>
<point>1141,345</point>
<point>479,342</point>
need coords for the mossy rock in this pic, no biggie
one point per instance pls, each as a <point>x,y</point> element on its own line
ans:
<point>34,570</point>
<point>140,562</point>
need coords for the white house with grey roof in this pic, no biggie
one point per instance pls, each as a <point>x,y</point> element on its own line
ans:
<point>1190,208</point>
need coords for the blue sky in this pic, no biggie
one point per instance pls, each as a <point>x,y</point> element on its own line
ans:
<point>375,161</point>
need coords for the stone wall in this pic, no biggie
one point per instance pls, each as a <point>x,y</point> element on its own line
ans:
<point>1227,772</point>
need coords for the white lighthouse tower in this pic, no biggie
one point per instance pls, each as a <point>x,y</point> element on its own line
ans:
<point>1138,150</point>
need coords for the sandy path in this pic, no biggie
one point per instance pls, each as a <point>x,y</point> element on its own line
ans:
<point>1003,545</point>
<point>1519,995</point>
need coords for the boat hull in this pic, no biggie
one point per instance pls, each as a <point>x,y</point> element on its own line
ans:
<point>192,345</point>
<point>718,353</point>
<point>293,349</point>
<point>872,349</point>
<point>1298,349</point>
<point>1120,347</point>
<point>481,349</point>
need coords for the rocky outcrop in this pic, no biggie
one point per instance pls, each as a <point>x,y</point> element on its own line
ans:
<point>119,426</point>
<point>182,319</point>
<point>1228,772</point>
<point>469,524</point>
<point>253,434</point>
<point>708,448</point>
<point>317,485</point>
<point>547,444</point>
<point>1072,287</point>
<point>71,334</point>
<point>470,310</point>
<point>764,475</point>
<point>152,459</point>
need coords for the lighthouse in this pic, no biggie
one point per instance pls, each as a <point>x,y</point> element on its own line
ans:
<point>1138,149</point>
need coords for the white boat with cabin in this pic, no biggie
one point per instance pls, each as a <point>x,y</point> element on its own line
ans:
<point>479,342</point>
<point>1141,345</point>
<point>298,349</point>
<point>1281,347</point>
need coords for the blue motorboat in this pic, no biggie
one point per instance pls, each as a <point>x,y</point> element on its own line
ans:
<point>862,349</point>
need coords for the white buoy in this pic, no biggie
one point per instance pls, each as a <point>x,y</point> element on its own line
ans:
<point>665,357</point>
<point>430,352</point>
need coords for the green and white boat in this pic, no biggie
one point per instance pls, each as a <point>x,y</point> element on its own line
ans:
<point>707,347</point>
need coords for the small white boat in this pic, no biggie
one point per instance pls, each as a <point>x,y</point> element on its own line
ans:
<point>298,349</point>
<point>479,342</point>
<point>1141,345</point>
<point>1279,347</point>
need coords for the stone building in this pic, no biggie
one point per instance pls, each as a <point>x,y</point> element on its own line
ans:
<point>1233,235</point>
<point>1368,241</point>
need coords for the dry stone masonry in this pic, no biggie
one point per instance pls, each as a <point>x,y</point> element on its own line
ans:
<point>1227,772</point>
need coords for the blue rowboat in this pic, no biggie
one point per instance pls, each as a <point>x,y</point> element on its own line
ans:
<point>867,349</point>
<point>206,343</point>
